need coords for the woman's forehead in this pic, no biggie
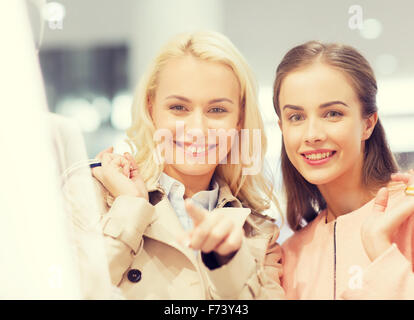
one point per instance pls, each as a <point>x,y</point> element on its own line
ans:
<point>316,84</point>
<point>192,76</point>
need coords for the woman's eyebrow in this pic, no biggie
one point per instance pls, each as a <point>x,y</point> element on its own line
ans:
<point>221,100</point>
<point>290,106</point>
<point>323,105</point>
<point>178,97</point>
<point>330,103</point>
<point>188,100</point>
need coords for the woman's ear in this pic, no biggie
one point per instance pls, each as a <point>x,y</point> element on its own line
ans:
<point>370,123</point>
<point>280,124</point>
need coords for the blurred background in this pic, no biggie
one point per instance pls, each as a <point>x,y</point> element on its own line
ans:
<point>93,52</point>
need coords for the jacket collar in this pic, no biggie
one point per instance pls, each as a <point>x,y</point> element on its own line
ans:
<point>225,196</point>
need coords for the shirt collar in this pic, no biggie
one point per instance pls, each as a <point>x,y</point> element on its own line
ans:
<point>205,198</point>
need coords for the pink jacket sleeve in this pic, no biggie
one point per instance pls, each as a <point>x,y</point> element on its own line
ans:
<point>391,275</point>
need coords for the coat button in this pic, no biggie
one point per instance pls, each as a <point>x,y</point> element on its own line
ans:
<point>134,275</point>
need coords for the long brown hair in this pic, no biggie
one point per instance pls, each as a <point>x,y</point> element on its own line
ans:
<point>304,201</point>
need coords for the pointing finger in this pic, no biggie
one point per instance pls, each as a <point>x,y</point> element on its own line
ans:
<point>196,213</point>
<point>217,235</point>
<point>202,232</point>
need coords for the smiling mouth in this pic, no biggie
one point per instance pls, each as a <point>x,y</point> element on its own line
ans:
<point>316,156</point>
<point>195,150</point>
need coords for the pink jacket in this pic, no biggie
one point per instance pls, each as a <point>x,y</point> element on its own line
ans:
<point>328,261</point>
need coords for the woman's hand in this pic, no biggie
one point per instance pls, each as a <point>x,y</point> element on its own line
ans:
<point>378,229</point>
<point>403,177</point>
<point>214,233</point>
<point>119,174</point>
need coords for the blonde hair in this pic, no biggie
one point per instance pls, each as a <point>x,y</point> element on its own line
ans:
<point>254,191</point>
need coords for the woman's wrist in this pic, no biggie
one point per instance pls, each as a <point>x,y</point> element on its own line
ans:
<point>376,246</point>
<point>222,260</point>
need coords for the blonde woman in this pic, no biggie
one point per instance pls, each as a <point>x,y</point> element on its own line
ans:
<point>191,229</point>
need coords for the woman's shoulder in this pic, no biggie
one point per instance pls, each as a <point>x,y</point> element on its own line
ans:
<point>304,234</point>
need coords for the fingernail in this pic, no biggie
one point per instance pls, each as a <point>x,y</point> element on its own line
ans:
<point>187,243</point>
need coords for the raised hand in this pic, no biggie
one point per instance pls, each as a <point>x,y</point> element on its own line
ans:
<point>378,229</point>
<point>119,174</point>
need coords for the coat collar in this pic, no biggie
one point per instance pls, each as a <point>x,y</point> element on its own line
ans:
<point>225,196</point>
<point>166,227</point>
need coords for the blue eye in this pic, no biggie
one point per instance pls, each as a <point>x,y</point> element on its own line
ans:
<point>217,110</point>
<point>177,108</point>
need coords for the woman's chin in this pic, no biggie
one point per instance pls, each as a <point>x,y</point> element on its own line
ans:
<point>318,179</point>
<point>193,169</point>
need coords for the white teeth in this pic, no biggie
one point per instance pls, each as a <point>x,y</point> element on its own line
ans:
<point>194,149</point>
<point>318,156</point>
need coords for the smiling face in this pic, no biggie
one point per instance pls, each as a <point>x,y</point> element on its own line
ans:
<point>201,96</point>
<point>322,125</point>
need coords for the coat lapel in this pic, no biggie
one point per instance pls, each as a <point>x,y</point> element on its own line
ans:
<point>167,228</point>
<point>237,215</point>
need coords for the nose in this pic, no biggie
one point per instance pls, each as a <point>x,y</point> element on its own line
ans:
<point>197,123</point>
<point>314,132</point>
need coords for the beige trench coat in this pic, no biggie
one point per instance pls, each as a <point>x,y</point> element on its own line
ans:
<point>146,260</point>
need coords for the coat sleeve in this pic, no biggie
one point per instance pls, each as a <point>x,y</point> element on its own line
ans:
<point>106,238</point>
<point>122,221</point>
<point>253,273</point>
<point>123,227</point>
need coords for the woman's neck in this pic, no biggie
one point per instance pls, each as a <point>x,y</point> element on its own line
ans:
<point>345,194</point>
<point>192,183</point>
